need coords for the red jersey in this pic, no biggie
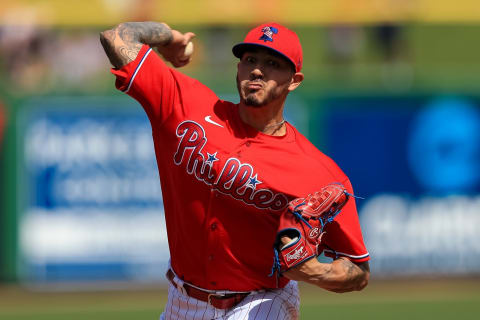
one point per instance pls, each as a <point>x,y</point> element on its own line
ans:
<point>224,183</point>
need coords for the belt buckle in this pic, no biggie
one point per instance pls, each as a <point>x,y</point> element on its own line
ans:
<point>210,295</point>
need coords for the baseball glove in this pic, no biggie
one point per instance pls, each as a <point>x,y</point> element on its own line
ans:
<point>304,222</point>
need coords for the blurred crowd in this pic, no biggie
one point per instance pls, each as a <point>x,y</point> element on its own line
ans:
<point>346,42</point>
<point>39,59</point>
<point>36,59</point>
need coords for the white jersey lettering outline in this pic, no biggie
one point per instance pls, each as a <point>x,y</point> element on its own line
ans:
<point>192,138</point>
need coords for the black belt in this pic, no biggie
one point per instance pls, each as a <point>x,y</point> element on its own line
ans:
<point>219,301</point>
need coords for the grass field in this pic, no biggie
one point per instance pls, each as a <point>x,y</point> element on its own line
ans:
<point>452,299</point>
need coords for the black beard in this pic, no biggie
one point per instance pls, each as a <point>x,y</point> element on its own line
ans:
<point>252,101</point>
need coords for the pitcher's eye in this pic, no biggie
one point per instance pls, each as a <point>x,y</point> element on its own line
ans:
<point>273,63</point>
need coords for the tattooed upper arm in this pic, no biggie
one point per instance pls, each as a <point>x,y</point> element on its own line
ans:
<point>122,43</point>
<point>119,50</point>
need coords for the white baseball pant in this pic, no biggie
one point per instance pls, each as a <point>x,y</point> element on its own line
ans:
<point>282,304</point>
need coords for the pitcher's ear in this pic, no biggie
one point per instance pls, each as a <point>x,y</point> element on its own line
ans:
<point>296,80</point>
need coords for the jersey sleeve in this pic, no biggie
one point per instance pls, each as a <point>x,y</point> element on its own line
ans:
<point>153,84</point>
<point>343,237</point>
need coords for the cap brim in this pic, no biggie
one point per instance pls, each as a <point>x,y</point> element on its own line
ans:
<point>240,48</point>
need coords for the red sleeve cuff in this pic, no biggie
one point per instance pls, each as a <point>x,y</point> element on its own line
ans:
<point>355,258</point>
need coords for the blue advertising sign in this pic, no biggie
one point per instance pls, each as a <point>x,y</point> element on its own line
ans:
<point>91,199</point>
<point>417,162</point>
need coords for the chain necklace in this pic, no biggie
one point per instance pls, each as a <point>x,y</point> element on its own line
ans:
<point>274,125</point>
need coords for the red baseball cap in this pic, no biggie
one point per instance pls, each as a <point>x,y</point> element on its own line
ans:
<point>275,37</point>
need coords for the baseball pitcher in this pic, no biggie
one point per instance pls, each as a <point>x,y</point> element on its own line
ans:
<point>249,201</point>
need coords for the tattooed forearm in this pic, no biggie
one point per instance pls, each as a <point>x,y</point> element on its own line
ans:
<point>341,275</point>
<point>352,271</point>
<point>152,33</point>
<point>122,43</point>
<point>354,277</point>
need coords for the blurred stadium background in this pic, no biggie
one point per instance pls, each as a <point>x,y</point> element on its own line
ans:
<point>391,93</point>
